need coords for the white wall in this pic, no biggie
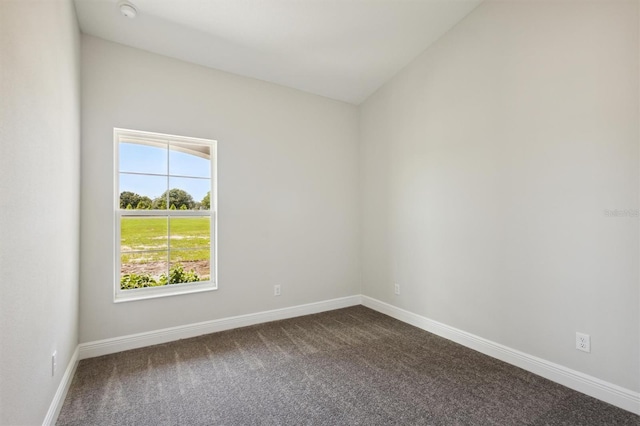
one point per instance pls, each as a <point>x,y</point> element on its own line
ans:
<point>288,200</point>
<point>39,206</point>
<point>487,165</point>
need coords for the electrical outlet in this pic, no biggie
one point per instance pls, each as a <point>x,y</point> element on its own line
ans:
<point>396,289</point>
<point>583,342</point>
<point>276,290</point>
<point>54,362</point>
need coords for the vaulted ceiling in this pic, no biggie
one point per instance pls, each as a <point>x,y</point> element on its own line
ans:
<point>341,49</point>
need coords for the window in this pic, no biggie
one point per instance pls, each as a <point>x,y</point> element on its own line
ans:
<point>165,215</point>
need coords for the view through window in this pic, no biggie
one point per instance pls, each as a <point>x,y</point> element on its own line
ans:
<point>165,206</point>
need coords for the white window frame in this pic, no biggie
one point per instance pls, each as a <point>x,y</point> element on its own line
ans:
<point>127,135</point>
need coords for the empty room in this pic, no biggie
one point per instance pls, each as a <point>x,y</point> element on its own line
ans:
<point>320,212</point>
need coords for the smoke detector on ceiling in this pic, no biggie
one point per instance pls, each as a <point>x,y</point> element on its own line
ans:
<point>127,9</point>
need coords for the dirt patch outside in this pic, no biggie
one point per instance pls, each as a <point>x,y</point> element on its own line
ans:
<point>156,268</point>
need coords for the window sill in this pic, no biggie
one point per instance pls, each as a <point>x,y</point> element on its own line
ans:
<point>164,291</point>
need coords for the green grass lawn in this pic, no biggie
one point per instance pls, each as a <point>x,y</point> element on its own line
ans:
<point>190,239</point>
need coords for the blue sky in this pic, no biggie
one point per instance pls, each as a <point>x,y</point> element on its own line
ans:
<point>149,159</point>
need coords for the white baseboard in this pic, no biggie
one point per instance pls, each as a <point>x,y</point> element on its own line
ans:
<point>592,386</point>
<point>133,341</point>
<point>61,393</point>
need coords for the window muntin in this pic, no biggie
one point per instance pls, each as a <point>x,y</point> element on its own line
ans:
<point>165,215</point>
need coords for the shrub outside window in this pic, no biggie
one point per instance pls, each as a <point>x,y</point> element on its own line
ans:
<point>165,215</point>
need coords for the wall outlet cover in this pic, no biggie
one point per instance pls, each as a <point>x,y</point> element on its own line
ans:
<point>583,342</point>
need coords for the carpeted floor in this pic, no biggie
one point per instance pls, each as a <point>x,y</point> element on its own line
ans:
<point>351,366</point>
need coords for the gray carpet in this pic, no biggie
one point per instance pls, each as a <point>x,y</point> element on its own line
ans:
<point>351,366</point>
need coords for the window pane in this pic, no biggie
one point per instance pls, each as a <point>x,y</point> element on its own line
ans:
<point>140,233</point>
<point>190,192</point>
<point>142,192</point>
<point>190,232</point>
<point>190,266</point>
<point>139,270</point>
<point>143,158</point>
<point>190,160</point>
